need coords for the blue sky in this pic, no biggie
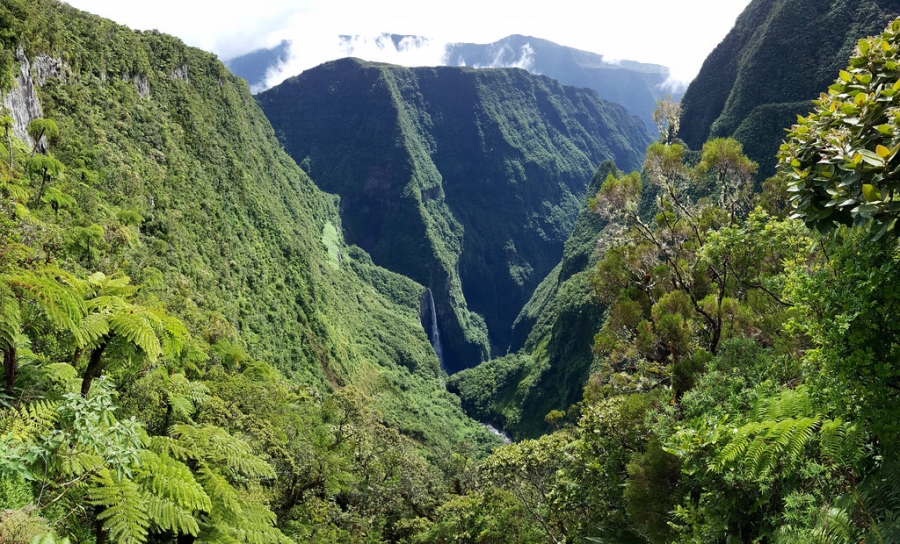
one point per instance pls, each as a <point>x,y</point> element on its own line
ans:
<point>677,34</point>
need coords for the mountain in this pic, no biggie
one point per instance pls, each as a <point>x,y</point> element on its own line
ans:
<point>635,85</point>
<point>467,181</point>
<point>778,57</point>
<point>254,66</point>
<point>173,176</point>
<point>553,337</point>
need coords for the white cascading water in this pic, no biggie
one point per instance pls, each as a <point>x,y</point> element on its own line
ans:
<point>435,334</point>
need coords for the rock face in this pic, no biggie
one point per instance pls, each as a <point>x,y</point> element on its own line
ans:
<point>778,57</point>
<point>467,181</point>
<point>22,100</point>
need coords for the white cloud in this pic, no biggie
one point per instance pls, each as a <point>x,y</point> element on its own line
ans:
<point>676,34</point>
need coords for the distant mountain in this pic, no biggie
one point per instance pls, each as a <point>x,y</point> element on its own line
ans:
<point>467,181</point>
<point>254,66</point>
<point>778,57</point>
<point>635,85</point>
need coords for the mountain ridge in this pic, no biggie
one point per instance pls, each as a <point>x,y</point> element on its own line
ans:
<point>441,148</point>
<point>769,68</point>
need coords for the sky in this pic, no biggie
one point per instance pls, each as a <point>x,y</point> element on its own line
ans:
<point>677,34</point>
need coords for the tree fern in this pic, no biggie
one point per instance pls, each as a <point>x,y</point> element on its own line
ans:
<point>124,513</point>
<point>117,328</point>
<point>47,290</point>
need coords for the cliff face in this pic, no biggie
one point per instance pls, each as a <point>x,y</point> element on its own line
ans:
<point>777,58</point>
<point>553,338</point>
<point>176,174</point>
<point>467,181</point>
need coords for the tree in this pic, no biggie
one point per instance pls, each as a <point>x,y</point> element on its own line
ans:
<point>43,291</point>
<point>46,167</point>
<point>117,329</point>
<point>39,129</point>
<point>842,159</point>
<point>667,117</point>
<point>6,122</point>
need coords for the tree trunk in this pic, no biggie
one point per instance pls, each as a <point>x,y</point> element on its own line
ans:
<point>10,368</point>
<point>99,532</point>
<point>93,369</point>
<point>41,190</point>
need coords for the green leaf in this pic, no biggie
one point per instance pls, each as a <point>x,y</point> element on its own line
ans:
<point>871,193</point>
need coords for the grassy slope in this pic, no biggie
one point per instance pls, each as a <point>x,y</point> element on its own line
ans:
<point>777,58</point>
<point>234,236</point>
<point>467,181</point>
<point>552,339</point>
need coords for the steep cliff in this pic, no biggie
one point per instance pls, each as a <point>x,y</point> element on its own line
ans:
<point>467,181</point>
<point>777,58</point>
<point>173,175</point>
<point>553,337</point>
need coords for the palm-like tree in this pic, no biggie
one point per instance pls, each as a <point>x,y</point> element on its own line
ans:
<point>26,296</point>
<point>119,331</point>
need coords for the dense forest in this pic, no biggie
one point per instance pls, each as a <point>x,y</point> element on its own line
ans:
<point>193,352</point>
<point>420,158</point>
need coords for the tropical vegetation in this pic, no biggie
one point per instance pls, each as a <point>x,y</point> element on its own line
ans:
<point>193,353</point>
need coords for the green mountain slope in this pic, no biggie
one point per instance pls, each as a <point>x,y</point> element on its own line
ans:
<point>778,57</point>
<point>553,338</point>
<point>467,181</point>
<point>174,175</point>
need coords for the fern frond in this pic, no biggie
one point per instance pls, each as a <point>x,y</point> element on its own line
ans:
<point>94,326</point>
<point>220,447</point>
<point>168,446</point>
<point>223,495</point>
<point>32,420</point>
<point>169,516</point>
<point>76,462</point>
<point>211,533</point>
<point>55,292</point>
<point>10,318</point>
<point>258,526</point>
<point>61,373</point>
<point>124,513</point>
<point>172,480</point>
<point>795,434</point>
<point>137,329</point>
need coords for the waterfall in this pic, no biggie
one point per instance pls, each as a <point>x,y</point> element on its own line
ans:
<point>430,324</point>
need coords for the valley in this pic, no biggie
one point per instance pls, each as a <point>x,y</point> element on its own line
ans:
<point>531,295</point>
